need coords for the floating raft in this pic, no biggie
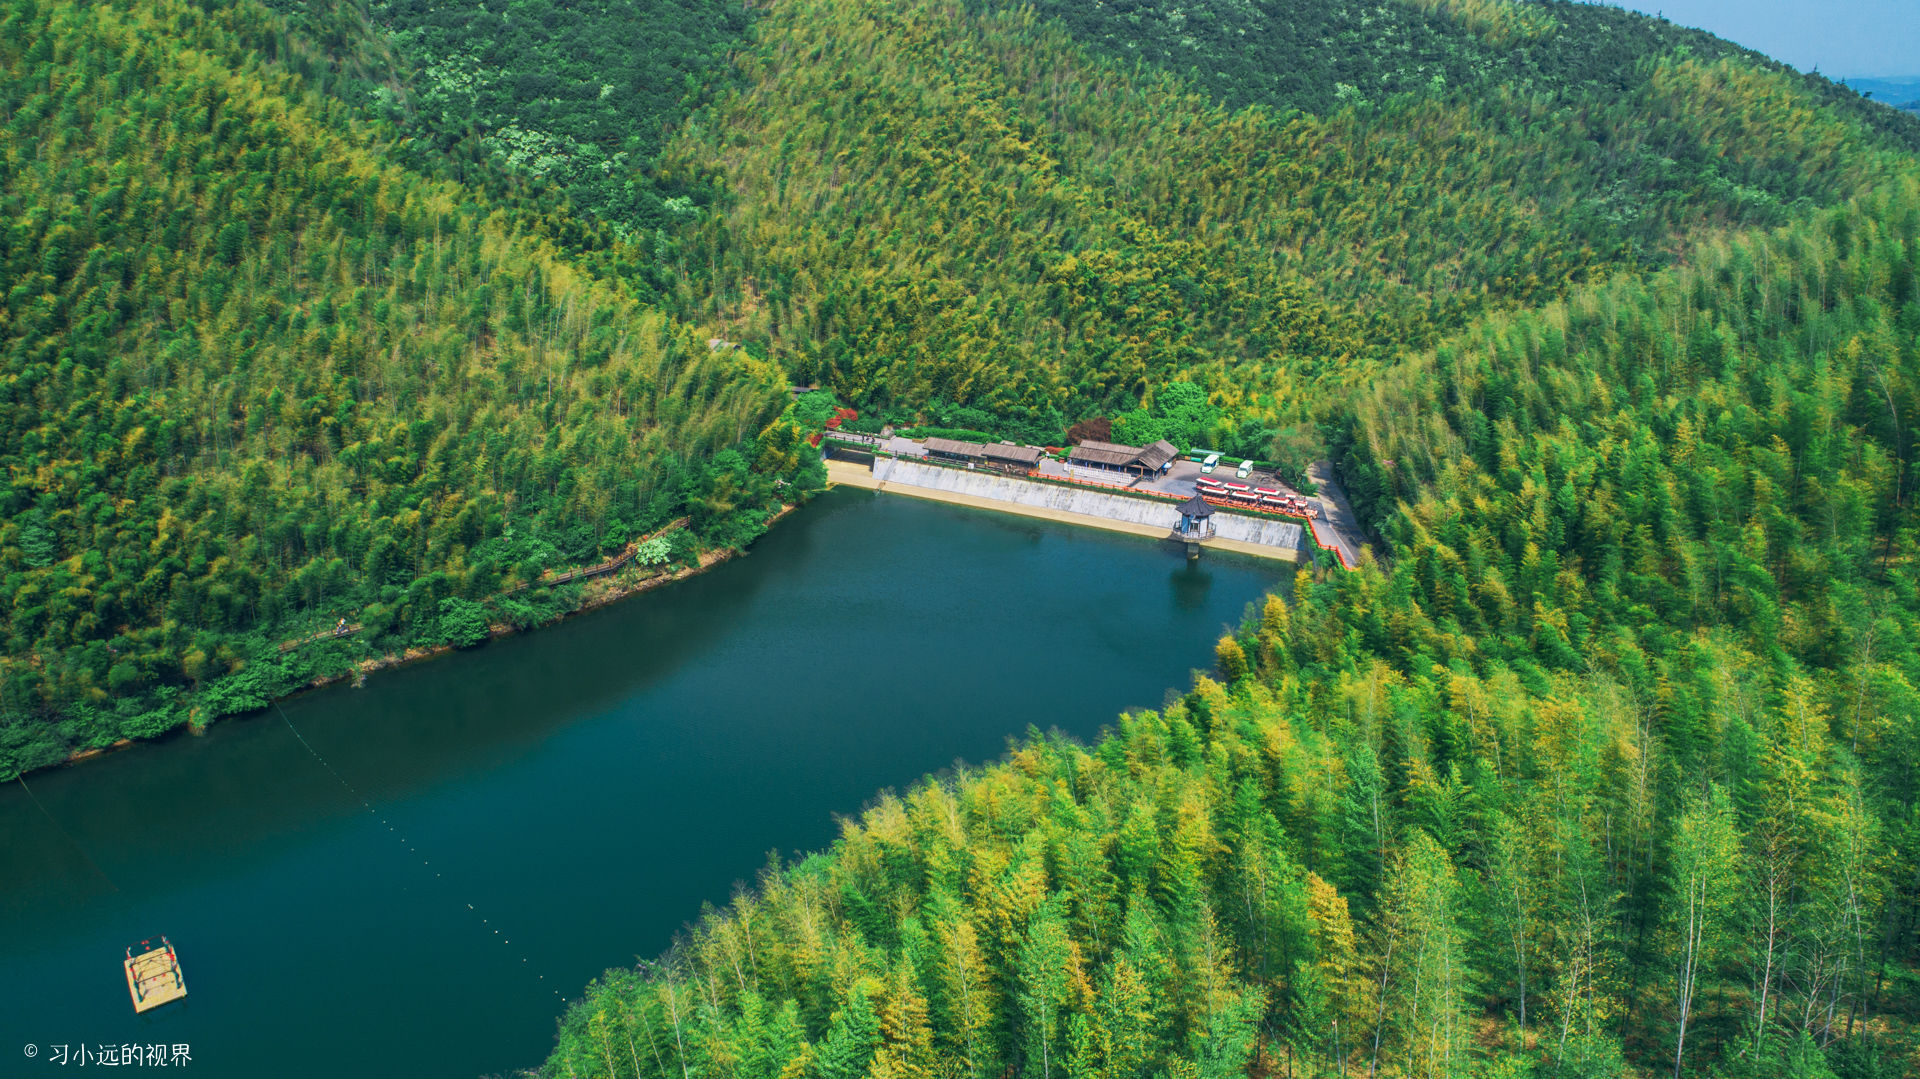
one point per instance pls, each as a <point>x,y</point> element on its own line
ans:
<point>153,976</point>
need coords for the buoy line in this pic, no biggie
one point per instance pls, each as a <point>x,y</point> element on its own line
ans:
<point>367,804</point>
<point>68,836</point>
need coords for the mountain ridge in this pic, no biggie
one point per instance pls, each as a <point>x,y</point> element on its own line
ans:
<point>1603,768</point>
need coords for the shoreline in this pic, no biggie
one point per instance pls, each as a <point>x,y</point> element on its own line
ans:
<point>596,593</point>
<point>853,475</point>
<point>601,591</point>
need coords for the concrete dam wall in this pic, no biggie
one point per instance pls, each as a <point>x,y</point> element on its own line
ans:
<point>1153,513</point>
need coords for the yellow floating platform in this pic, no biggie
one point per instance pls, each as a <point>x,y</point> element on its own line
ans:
<point>153,977</point>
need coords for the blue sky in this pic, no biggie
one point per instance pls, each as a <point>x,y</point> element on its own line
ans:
<point>1860,38</point>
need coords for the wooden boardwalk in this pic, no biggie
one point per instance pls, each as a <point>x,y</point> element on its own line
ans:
<point>153,977</point>
<point>610,564</point>
<point>347,629</point>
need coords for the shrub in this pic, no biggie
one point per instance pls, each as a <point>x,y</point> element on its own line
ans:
<point>462,622</point>
<point>813,410</point>
<point>1099,429</point>
<point>654,551</point>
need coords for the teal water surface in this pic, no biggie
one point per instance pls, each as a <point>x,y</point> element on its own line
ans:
<point>492,830</point>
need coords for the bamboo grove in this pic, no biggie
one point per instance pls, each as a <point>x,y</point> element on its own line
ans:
<point>377,312</point>
<point>256,378</point>
<point>1606,770</point>
<point>922,203</point>
<point>1610,772</point>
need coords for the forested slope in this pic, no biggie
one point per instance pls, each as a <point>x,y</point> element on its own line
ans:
<point>256,376</point>
<point>1604,769</point>
<point>1608,772</point>
<point>576,96</point>
<point>924,203</point>
<point>1316,56</point>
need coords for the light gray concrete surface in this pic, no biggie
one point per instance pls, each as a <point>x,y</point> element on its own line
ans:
<point>1114,507</point>
<point>1178,479</point>
<point>1338,526</point>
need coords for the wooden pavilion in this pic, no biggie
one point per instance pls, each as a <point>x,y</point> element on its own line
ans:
<point>1196,520</point>
<point>1133,460</point>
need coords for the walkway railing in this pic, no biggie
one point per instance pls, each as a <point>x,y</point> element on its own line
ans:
<point>1313,522</point>
<point>610,565</point>
<point>347,629</point>
<point>1314,528</point>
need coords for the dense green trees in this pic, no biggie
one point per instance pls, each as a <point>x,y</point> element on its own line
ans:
<point>1170,888</point>
<point>577,97</point>
<point>1605,767</point>
<point>1317,57</point>
<point>1604,770</point>
<point>256,378</point>
<point>927,202</point>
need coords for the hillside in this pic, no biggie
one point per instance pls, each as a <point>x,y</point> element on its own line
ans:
<point>577,98</point>
<point>260,378</point>
<point>1603,767</point>
<point>1466,167</point>
<point>1609,772</point>
<point>1602,770</point>
<point>1314,56</point>
<point>934,207</point>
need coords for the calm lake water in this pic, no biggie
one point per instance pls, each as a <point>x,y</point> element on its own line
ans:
<point>584,788</point>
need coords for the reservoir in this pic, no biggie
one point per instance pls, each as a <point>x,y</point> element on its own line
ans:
<point>490,831</point>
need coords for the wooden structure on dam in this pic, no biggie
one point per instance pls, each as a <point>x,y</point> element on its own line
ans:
<point>1000,456</point>
<point>1196,520</point>
<point>1151,460</point>
<point>1196,524</point>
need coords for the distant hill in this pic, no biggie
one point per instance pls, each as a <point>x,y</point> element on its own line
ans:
<point>1310,55</point>
<point>1902,92</point>
<point>975,205</point>
<point>377,310</point>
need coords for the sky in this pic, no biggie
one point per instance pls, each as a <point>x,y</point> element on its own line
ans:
<point>1843,38</point>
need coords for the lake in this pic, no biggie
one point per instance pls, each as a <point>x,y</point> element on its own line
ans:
<point>493,829</point>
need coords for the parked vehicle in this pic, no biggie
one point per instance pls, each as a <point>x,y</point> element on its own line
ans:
<point>1246,469</point>
<point>1212,460</point>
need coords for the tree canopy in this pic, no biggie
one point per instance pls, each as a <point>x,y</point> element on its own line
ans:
<point>358,317</point>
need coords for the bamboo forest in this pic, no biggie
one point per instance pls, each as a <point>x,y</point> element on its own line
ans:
<point>342,331</point>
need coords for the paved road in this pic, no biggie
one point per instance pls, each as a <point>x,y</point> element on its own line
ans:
<point>1337,526</point>
<point>1180,478</point>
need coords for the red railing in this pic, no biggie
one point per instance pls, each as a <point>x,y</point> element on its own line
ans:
<point>1309,514</point>
<point>1325,546</point>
